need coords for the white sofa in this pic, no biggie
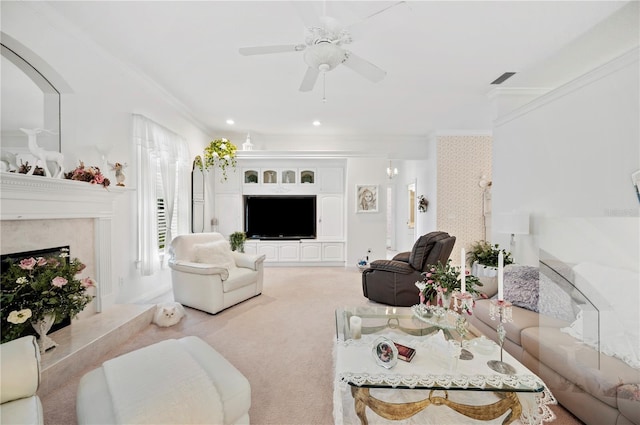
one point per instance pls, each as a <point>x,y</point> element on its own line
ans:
<point>20,360</point>
<point>168,382</point>
<point>208,276</point>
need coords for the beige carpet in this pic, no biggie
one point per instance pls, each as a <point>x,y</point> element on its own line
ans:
<point>281,341</point>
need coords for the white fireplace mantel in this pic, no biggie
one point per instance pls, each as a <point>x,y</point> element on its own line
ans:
<point>25,197</point>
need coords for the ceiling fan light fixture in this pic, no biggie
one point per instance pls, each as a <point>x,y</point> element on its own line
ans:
<point>324,56</point>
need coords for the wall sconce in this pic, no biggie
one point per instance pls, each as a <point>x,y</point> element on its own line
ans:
<point>391,172</point>
<point>514,224</point>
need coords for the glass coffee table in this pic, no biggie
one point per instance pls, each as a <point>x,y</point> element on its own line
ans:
<point>450,357</point>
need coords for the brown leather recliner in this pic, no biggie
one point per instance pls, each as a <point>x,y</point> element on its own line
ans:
<point>393,282</point>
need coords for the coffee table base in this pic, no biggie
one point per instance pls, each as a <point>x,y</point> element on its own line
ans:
<point>399,411</point>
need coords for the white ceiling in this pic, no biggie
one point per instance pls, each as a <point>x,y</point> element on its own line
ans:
<point>440,58</point>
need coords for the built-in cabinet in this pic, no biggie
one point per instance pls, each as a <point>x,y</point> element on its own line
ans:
<point>297,251</point>
<point>278,176</point>
<point>287,177</point>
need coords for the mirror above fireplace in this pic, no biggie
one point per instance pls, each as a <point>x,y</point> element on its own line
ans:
<point>29,100</point>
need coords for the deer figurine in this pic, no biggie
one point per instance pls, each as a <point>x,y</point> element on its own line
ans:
<point>46,157</point>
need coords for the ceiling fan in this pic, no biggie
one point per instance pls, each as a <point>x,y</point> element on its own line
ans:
<point>323,49</point>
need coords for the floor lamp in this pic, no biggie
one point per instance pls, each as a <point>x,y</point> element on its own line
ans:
<point>513,224</point>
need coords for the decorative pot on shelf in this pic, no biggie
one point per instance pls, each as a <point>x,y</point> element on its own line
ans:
<point>42,327</point>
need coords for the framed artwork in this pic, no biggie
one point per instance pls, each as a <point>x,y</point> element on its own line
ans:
<point>366,198</point>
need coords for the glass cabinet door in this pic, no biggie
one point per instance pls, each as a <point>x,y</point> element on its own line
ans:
<point>288,177</point>
<point>251,177</point>
<point>269,177</point>
<point>307,176</point>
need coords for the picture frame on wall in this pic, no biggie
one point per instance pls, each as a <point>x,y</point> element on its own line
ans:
<point>366,198</point>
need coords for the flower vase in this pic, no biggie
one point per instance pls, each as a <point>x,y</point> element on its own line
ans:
<point>443,300</point>
<point>42,327</point>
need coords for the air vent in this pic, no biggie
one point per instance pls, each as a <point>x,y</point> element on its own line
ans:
<point>501,79</point>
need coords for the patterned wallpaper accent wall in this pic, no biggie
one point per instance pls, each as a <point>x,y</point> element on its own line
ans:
<point>462,160</point>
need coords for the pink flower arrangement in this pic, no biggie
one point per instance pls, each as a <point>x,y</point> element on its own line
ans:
<point>59,282</point>
<point>441,280</point>
<point>91,175</point>
<point>33,287</point>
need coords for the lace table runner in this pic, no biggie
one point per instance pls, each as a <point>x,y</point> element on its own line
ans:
<point>354,363</point>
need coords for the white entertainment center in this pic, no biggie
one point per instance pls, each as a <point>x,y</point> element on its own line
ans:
<point>285,175</point>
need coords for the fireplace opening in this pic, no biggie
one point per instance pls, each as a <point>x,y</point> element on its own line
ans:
<point>56,252</point>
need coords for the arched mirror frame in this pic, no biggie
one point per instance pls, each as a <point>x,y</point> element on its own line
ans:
<point>49,82</point>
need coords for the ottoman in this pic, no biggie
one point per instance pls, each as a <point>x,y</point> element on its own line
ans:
<point>181,381</point>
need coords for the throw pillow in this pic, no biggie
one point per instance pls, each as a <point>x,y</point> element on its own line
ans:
<point>217,253</point>
<point>489,286</point>
<point>521,286</point>
<point>553,301</point>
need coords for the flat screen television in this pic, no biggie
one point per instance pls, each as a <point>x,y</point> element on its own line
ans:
<point>280,217</point>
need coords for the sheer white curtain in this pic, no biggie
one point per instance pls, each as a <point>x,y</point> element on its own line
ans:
<point>159,149</point>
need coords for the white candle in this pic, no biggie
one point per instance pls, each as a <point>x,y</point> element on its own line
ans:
<point>355,325</point>
<point>463,283</point>
<point>500,277</point>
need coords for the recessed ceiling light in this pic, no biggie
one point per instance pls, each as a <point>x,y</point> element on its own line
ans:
<point>316,123</point>
<point>230,122</point>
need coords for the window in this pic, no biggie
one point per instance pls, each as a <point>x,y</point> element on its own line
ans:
<point>161,216</point>
<point>163,179</point>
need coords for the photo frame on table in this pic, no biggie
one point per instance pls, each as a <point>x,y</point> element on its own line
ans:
<point>385,352</point>
<point>366,198</point>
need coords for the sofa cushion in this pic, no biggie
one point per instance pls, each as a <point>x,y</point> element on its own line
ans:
<point>392,266</point>
<point>629,401</point>
<point>600,376</point>
<point>238,278</point>
<point>522,319</point>
<point>20,368</point>
<point>23,411</point>
<point>427,247</point>
<point>216,252</point>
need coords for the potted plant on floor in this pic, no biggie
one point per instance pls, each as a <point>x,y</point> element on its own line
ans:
<point>236,239</point>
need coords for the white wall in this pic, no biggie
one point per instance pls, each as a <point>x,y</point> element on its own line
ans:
<point>97,104</point>
<point>366,230</point>
<point>571,152</point>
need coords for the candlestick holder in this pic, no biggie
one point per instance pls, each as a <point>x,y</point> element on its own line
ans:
<point>462,302</point>
<point>502,310</point>
<point>463,305</point>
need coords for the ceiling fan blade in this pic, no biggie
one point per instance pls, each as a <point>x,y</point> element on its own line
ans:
<point>309,79</point>
<point>364,68</point>
<point>306,13</point>
<point>263,50</point>
<point>383,18</point>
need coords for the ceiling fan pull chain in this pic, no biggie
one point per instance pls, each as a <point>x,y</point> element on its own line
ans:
<point>324,87</point>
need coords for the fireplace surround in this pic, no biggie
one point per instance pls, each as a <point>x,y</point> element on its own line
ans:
<point>38,212</point>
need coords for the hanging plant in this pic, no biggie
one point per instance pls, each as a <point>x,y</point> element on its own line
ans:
<point>423,203</point>
<point>197,162</point>
<point>220,153</point>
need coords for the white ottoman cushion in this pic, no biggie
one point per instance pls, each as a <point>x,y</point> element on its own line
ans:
<point>228,387</point>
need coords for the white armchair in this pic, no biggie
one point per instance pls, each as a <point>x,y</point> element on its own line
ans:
<point>20,360</point>
<point>207,275</point>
